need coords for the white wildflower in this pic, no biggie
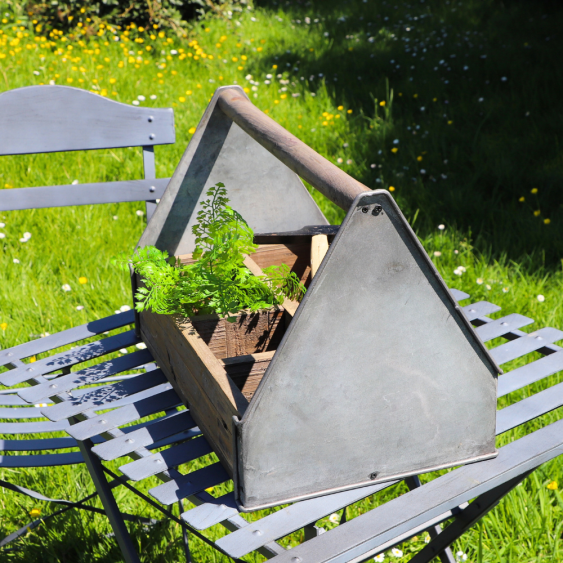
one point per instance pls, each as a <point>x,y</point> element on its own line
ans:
<point>139,213</point>
<point>135,102</point>
<point>79,307</point>
<point>153,96</point>
<point>2,225</point>
<point>479,281</point>
<point>141,98</point>
<point>334,518</point>
<point>2,235</point>
<point>123,351</point>
<point>396,552</point>
<point>541,298</point>
<point>437,253</point>
<point>141,346</point>
<point>115,217</point>
<point>124,308</point>
<point>441,227</point>
<point>74,182</point>
<point>379,557</point>
<point>66,287</point>
<point>16,261</point>
<point>460,556</point>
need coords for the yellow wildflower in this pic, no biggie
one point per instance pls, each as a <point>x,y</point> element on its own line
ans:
<point>391,189</point>
<point>382,103</point>
<point>274,67</point>
<point>536,213</point>
<point>394,150</point>
<point>340,108</point>
<point>547,221</point>
<point>553,486</point>
<point>534,190</point>
<point>35,512</point>
<point>33,359</point>
<point>450,122</point>
<point>191,130</point>
<point>522,199</point>
<point>349,111</point>
<point>419,158</point>
<point>283,96</point>
<point>246,89</point>
<point>4,326</point>
<point>182,99</point>
<point>189,92</point>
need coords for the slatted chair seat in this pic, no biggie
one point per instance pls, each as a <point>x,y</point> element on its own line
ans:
<point>423,508</point>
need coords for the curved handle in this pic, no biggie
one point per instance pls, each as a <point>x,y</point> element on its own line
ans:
<point>332,182</point>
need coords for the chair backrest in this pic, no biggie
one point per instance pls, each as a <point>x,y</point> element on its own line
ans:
<point>45,119</point>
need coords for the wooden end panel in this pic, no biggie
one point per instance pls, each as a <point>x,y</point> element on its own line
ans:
<point>198,377</point>
<point>296,256</point>
<point>247,371</point>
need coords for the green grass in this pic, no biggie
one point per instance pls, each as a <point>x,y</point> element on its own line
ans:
<point>477,160</point>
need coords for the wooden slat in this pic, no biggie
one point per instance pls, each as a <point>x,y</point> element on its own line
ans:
<point>198,377</point>
<point>319,247</point>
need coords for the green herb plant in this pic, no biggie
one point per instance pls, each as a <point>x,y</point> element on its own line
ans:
<point>218,282</point>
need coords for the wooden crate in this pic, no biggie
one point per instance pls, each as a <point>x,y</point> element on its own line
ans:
<point>216,366</point>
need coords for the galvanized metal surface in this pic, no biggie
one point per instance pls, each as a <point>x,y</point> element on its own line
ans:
<point>44,119</point>
<point>365,391</point>
<point>263,190</point>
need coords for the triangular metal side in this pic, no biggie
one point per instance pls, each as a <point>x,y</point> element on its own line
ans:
<point>379,375</point>
<point>261,188</point>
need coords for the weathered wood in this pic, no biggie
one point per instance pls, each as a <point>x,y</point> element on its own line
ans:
<point>322,174</point>
<point>198,377</point>
<point>319,247</point>
<point>247,371</point>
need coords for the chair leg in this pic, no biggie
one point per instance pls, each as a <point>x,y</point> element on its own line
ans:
<point>466,519</point>
<point>185,536</point>
<point>445,555</point>
<point>122,536</point>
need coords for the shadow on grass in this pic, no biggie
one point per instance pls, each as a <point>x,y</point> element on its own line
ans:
<point>473,91</point>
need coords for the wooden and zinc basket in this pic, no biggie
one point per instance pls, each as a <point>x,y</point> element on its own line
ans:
<point>375,375</point>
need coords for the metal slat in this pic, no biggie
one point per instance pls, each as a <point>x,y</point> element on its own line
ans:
<point>38,445</point>
<point>13,400</point>
<point>144,437</point>
<point>530,408</point>
<point>479,309</point>
<point>195,482</point>
<point>66,337</point>
<point>502,326</point>
<point>166,459</point>
<point>525,344</point>
<point>292,518</point>
<point>373,529</point>
<point>530,373</point>
<point>459,295</point>
<point>25,412</point>
<point>123,415</point>
<point>83,194</point>
<point>208,514</point>
<point>32,427</point>
<point>48,460</point>
<point>69,358</point>
<point>109,395</point>
<point>85,376</point>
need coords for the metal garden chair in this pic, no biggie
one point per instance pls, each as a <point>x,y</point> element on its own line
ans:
<point>45,119</point>
<point>423,508</point>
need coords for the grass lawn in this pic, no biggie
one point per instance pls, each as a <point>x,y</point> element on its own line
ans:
<point>455,107</point>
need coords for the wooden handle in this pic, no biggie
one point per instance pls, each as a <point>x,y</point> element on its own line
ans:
<point>332,182</point>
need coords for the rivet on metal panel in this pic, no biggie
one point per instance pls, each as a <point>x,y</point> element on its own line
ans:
<point>472,310</point>
<point>223,507</point>
<point>377,209</point>
<point>257,532</point>
<point>30,369</point>
<point>9,354</point>
<point>150,118</point>
<point>129,440</point>
<point>539,338</point>
<point>103,421</point>
<point>296,560</point>
<point>151,136</point>
<point>152,189</point>
<point>503,324</point>
<point>373,475</point>
<point>53,386</point>
<point>365,209</point>
<point>158,461</point>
